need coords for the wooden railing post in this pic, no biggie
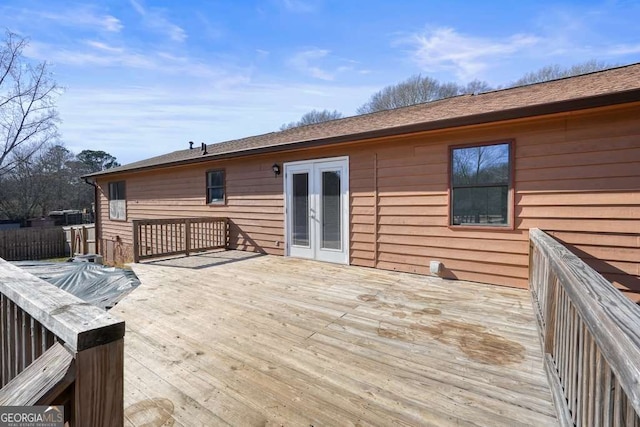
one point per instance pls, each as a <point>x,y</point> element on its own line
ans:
<point>550,315</point>
<point>136,241</point>
<point>225,233</point>
<point>73,241</point>
<point>187,236</point>
<point>84,240</point>
<point>99,386</point>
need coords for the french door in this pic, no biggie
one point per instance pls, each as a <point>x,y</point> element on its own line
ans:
<point>317,209</point>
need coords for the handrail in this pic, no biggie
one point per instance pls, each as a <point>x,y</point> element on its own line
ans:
<point>34,316</point>
<point>590,334</point>
<point>154,238</point>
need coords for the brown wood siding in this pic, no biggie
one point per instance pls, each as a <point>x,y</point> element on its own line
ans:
<point>577,176</point>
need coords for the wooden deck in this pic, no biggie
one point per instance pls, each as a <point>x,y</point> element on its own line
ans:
<point>232,338</point>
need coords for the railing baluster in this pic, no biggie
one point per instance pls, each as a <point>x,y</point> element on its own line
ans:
<point>34,339</point>
<point>3,339</point>
<point>580,374</point>
<point>591,402</point>
<point>630,419</point>
<point>598,408</point>
<point>617,408</point>
<point>572,364</point>
<point>12,340</point>
<point>558,328</point>
<point>24,340</point>
<point>567,350</point>
<point>607,401</point>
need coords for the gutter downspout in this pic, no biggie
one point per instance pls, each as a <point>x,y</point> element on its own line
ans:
<point>96,200</point>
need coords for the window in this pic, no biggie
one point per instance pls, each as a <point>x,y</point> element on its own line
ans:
<point>480,184</point>
<point>117,201</point>
<point>215,187</point>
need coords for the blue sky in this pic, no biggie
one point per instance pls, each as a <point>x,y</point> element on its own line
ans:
<point>144,77</point>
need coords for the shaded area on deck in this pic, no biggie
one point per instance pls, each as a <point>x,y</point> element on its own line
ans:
<point>205,259</point>
<point>272,340</point>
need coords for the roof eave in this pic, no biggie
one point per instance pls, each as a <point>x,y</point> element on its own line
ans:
<point>577,104</point>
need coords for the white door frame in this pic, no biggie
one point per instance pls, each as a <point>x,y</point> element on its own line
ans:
<point>314,167</point>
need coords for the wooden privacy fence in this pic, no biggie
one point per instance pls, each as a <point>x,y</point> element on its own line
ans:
<point>590,335</point>
<point>154,238</point>
<point>32,243</point>
<point>58,350</point>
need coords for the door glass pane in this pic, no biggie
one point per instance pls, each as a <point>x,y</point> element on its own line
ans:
<point>331,225</point>
<point>300,209</point>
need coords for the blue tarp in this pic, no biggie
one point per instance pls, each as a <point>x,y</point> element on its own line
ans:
<point>94,283</point>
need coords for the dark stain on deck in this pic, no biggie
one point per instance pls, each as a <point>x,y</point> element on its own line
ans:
<point>473,340</point>
<point>151,413</point>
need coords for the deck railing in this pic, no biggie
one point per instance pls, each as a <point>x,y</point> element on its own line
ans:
<point>590,335</point>
<point>55,349</point>
<point>154,238</point>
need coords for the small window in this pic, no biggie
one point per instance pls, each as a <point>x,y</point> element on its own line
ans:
<point>215,187</point>
<point>117,201</point>
<point>480,184</point>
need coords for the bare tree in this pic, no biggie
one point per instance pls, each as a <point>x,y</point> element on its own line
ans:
<point>553,72</point>
<point>48,180</point>
<point>20,190</point>
<point>476,87</point>
<point>417,89</point>
<point>28,115</point>
<point>312,117</point>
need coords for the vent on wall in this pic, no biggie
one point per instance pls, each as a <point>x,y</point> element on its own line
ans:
<point>435,268</point>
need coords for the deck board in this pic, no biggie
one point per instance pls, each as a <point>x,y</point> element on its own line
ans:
<point>231,338</point>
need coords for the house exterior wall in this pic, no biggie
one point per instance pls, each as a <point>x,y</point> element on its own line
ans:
<point>577,176</point>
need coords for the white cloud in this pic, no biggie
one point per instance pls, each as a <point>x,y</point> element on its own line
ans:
<point>624,49</point>
<point>261,53</point>
<point>304,62</point>
<point>322,65</point>
<point>300,6</point>
<point>111,23</point>
<point>155,19</point>
<point>82,16</point>
<point>92,53</point>
<point>103,46</point>
<point>444,49</point>
<point>138,7</point>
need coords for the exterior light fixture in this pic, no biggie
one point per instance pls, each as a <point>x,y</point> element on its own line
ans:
<point>276,169</point>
